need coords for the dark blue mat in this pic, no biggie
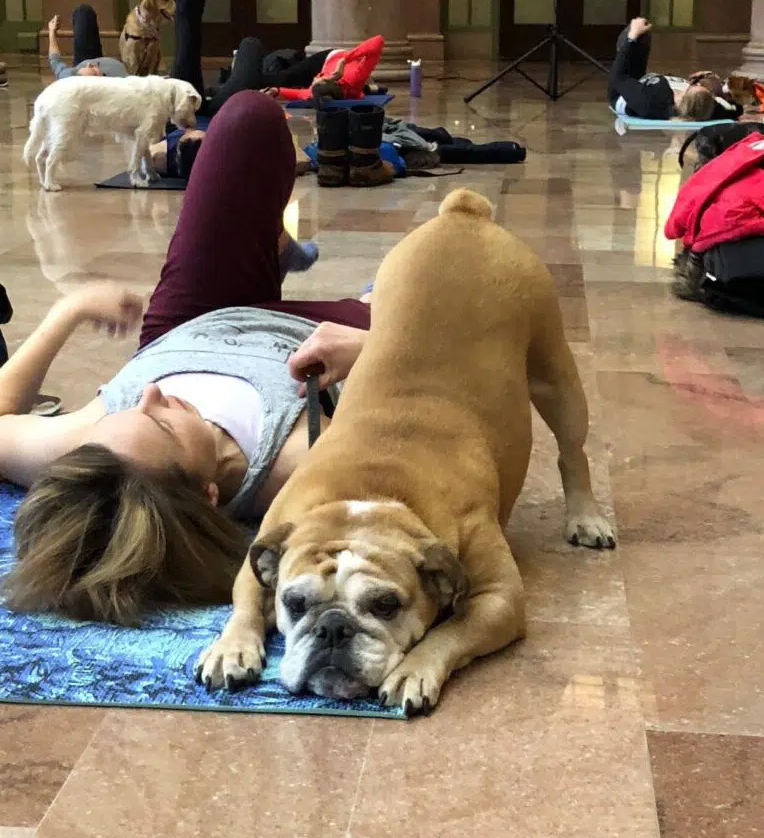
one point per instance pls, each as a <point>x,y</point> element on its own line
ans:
<point>380,100</point>
<point>52,660</point>
<point>122,181</point>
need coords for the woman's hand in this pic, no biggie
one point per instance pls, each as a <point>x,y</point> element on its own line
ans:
<point>329,352</point>
<point>53,24</point>
<point>105,305</point>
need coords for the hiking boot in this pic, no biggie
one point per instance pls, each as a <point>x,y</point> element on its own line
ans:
<point>333,154</point>
<point>366,166</point>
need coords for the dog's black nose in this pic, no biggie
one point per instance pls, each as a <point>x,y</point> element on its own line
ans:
<point>334,628</point>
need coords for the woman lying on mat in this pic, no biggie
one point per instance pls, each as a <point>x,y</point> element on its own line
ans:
<point>88,59</point>
<point>344,74</point>
<point>133,499</point>
<point>635,92</point>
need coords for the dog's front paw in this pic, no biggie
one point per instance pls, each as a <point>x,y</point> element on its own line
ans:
<point>414,685</point>
<point>49,186</point>
<point>138,180</point>
<point>590,531</point>
<point>233,661</point>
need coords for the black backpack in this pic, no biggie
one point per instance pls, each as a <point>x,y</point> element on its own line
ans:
<point>727,278</point>
<point>730,276</point>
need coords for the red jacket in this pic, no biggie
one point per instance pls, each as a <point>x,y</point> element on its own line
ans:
<point>359,65</point>
<point>723,201</point>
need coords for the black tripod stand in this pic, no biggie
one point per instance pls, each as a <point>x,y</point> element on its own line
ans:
<point>554,40</point>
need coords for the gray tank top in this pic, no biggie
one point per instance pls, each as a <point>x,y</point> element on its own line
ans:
<point>249,343</point>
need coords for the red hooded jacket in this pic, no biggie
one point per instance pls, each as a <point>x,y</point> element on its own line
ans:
<point>359,65</point>
<point>723,201</point>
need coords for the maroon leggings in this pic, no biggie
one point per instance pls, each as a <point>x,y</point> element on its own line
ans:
<point>224,251</point>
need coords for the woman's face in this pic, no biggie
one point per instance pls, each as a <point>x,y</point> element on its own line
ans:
<point>159,432</point>
<point>90,70</point>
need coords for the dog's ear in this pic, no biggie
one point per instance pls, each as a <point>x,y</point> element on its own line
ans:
<point>265,554</point>
<point>443,575</point>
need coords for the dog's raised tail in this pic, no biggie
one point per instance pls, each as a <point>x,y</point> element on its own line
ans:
<point>466,201</point>
<point>35,141</point>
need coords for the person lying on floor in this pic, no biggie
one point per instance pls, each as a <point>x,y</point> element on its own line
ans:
<point>344,74</point>
<point>88,59</point>
<point>247,72</point>
<point>174,156</point>
<point>134,498</point>
<point>635,92</point>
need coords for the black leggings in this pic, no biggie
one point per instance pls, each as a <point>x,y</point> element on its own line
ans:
<point>628,67</point>
<point>87,38</point>
<point>247,72</point>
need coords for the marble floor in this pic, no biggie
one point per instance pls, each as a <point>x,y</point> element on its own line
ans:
<point>635,708</point>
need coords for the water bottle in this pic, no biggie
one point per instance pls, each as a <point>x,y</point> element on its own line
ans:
<point>416,78</point>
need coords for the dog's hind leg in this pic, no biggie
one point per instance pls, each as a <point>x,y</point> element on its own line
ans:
<point>40,159</point>
<point>55,156</point>
<point>558,395</point>
<point>35,145</point>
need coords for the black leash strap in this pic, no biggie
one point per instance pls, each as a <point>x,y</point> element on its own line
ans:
<point>314,410</point>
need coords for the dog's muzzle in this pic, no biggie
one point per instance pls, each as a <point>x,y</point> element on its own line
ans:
<point>331,669</point>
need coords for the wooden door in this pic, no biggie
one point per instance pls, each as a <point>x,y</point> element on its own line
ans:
<point>593,25</point>
<point>277,23</point>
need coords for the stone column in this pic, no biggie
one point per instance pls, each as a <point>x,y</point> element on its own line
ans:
<point>341,24</point>
<point>753,52</point>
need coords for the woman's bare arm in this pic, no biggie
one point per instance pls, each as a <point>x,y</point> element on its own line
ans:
<point>22,376</point>
<point>101,304</point>
<point>28,443</point>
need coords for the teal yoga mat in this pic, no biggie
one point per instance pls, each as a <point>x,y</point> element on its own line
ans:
<point>634,123</point>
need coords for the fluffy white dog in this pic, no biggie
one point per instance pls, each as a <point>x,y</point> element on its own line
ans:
<point>131,108</point>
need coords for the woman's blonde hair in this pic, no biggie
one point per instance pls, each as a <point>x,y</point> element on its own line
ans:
<point>697,104</point>
<point>98,538</point>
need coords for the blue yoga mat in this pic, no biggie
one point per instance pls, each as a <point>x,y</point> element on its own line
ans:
<point>637,124</point>
<point>51,660</point>
<point>380,100</point>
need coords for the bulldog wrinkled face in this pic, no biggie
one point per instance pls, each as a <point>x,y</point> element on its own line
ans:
<point>350,608</point>
<point>346,630</point>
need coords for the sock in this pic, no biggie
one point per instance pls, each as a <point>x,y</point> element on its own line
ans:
<point>297,257</point>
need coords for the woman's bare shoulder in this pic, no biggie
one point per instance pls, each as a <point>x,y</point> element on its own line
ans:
<point>30,443</point>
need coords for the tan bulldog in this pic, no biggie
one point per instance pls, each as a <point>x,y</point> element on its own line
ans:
<point>386,547</point>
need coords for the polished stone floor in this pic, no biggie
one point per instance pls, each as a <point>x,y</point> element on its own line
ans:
<point>635,708</point>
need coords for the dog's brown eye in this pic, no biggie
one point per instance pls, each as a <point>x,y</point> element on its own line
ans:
<point>295,605</point>
<point>385,607</point>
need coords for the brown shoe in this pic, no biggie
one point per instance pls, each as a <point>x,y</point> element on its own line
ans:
<point>333,154</point>
<point>366,166</point>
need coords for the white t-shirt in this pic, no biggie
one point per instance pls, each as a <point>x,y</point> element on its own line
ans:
<point>231,403</point>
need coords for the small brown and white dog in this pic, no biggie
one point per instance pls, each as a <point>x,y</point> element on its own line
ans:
<point>132,108</point>
<point>139,45</point>
<point>386,548</point>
